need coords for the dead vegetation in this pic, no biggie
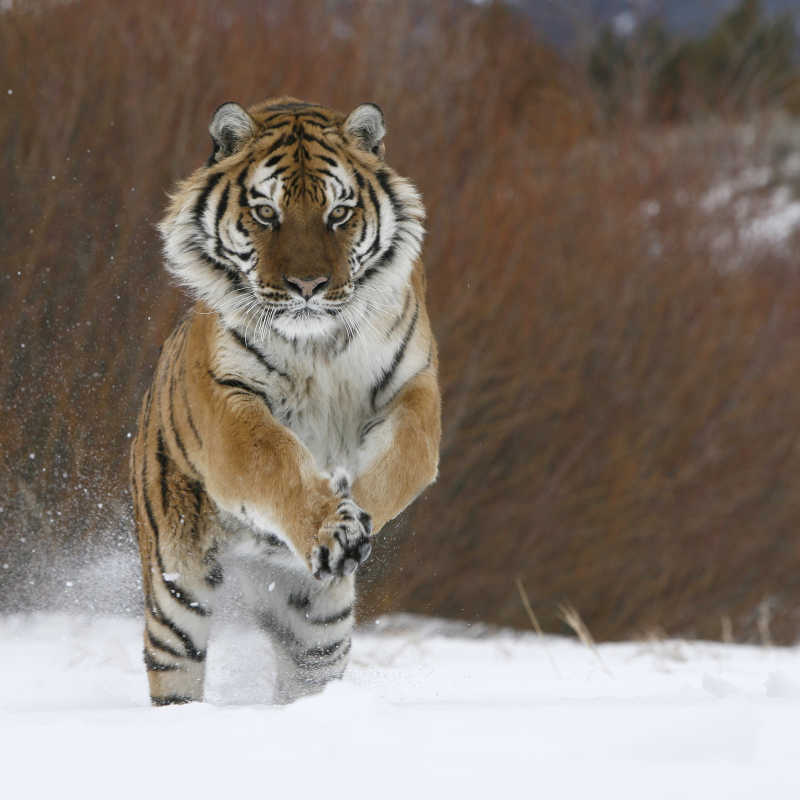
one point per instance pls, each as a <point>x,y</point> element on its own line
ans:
<point>620,413</point>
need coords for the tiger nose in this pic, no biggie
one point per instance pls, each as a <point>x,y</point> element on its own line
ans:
<point>307,288</point>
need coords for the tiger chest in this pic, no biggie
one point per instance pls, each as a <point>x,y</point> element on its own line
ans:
<point>334,404</point>
<point>327,411</point>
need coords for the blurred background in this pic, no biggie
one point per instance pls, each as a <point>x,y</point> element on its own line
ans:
<point>613,192</point>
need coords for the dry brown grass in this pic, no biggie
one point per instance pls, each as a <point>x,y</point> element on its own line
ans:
<point>619,422</point>
<point>620,419</point>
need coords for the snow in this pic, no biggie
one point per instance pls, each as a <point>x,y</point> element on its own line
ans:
<point>778,222</point>
<point>748,180</point>
<point>764,203</point>
<point>424,710</point>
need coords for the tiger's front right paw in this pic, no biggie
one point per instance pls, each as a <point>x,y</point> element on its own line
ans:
<point>345,537</point>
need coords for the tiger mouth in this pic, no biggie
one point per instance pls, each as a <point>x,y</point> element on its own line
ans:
<point>306,312</point>
<point>301,310</point>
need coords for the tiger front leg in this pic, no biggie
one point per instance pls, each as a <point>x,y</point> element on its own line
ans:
<point>260,472</point>
<point>399,456</point>
<point>344,536</point>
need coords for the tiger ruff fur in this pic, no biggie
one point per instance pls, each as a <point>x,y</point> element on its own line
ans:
<point>296,409</point>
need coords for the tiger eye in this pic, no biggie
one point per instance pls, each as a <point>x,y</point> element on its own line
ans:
<point>265,214</point>
<point>339,213</point>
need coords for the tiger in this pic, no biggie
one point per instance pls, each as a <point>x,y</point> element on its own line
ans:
<point>295,410</point>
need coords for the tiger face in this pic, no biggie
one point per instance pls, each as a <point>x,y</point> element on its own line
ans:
<point>296,225</point>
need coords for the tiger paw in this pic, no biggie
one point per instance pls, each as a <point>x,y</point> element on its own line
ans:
<point>344,539</point>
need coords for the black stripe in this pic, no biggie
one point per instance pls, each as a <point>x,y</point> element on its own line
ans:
<point>231,274</point>
<point>315,123</point>
<point>177,593</point>
<point>170,700</point>
<point>185,394</point>
<point>365,276</point>
<point>269,129</point>
<point>299,601</point>
<point>180,595</point>
<point>323,144</point>
<point>215,575</point>
<point>161,457</point>
<point>342,615</point>
<point>222,208</point>
<point>296,107</point>
<point>148,401</point>
<point>191,651</point>
<point>301,657</point>
<point>398,357</point>
<point>175,434</point>
<point>242,387</point>
<point>388,254</point>
<point>364,227</point>
<point>373,423</point>
<point>332,177</point>
<point>402,313</point>
<point>307,112</point>
<point>321,652</point>
<point>270,539</point>
<point>221,249</point>
<point>189,418</point>
<point>321,663</point>
<point>154,666</point>
<point>159,644</point>
<point>242,187</point>
<point>202,200</point>
<point>255,193</point>
<point>258,354</point>
<point>148,506</point>
<point>375,202</point>
<point>383,179</point>
<point>196,488</point>
<point>283,634</point>
<point>279,142</point>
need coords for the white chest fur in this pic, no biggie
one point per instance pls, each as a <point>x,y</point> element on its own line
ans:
<point>331,406</point>
<point>329,397</point>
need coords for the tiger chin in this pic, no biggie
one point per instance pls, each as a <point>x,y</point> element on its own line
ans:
<point>296,409</point>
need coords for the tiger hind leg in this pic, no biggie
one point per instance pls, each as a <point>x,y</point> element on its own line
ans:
<point>177,621</point>
<point>310,624</point>
<point>180,574</point>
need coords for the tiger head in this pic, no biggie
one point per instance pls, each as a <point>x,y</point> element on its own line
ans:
<point>296,224</point>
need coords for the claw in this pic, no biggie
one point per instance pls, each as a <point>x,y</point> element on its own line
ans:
<point>324,559</point>
<point>366,522</point>
<point>349,566</point>
<point>364,550</point>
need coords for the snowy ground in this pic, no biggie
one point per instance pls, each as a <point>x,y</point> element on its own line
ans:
<point>420,713</point>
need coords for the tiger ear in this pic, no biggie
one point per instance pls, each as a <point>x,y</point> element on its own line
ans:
<point>365,125</point>
<point>230,128</point>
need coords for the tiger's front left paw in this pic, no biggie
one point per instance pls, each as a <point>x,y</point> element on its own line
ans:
<point>345,537</point>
